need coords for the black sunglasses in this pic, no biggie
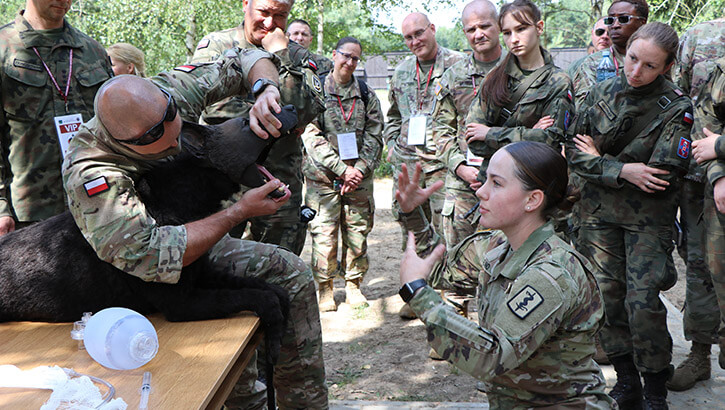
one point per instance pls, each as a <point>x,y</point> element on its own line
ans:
<point>157,131</point>
<point>599,32</point>
<point>608,21</point>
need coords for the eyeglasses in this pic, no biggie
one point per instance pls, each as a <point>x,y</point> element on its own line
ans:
<point>418,34</point>
<point>608,21</point>
<point>348,56</point>
<point>599,32</point>
<point>157,131</point>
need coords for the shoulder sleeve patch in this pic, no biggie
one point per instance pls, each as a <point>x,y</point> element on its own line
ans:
<point>96,186</point>
<point>439,87</point>
<point>569,96</point>
<point>311,63</point>
<point>688,118</point>
<point>186,68</point>
<point>683,148</point>
<point>525,302</point>
<point>606,110</point>
<point>204,43</point>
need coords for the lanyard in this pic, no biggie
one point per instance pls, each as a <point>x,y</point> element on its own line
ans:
<point>346,118</point>
<point>473,81</point>
<point>616,63</point>
<point>55,83</point>
<point>427,82</point>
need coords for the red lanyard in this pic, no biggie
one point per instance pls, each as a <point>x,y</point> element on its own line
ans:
<point>55,83</point>
<point>616,63</point>
<point>473,81</point>
<point>427,82</point>
<point>346,118</point>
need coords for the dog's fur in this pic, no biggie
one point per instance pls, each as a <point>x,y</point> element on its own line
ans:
<point>49,273</point>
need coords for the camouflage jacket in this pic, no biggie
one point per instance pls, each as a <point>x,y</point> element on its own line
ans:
<point>408,99</point>
<point>539,309</point>
<point>458,86</point>
<point>322,161</point>
<point>324,64</point>
<point>700,46</point>
<point>114,221</point>
<point>549,95</point>
<point>30,155</point>
<point>299,85</point>
<point>585,75</point>
<point>710,114</point>
<point>609,111</point>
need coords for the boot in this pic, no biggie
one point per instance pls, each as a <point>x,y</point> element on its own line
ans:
<point>696,367</point>
<point>600,356</point>
<point>406,313</point>
<point>326,299</point>
<point>655,389</point>
<point>352,292</point>
<point>627,392</point>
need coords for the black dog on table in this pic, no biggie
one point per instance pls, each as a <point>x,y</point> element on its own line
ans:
<point>49,273</point>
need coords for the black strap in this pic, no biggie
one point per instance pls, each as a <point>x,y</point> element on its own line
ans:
<point>506,111</point>
<point>639,123</point>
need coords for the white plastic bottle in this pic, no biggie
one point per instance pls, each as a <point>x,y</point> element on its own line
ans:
<point>120,339</point>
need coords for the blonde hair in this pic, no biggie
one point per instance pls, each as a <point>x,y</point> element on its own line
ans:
<point>128,54</point>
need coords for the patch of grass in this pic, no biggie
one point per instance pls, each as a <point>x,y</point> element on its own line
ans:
<point>347,375</point>
<point>453,370</point>
<point>360,312</point>
<point>356,347</point>
<point>385,169</point>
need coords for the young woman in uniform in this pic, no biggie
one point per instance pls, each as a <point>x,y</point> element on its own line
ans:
<point>630,145</point>
<point>538,302</point>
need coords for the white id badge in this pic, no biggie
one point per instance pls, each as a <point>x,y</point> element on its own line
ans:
<point>347,145</point>
<point>472,159</point>
<point>67,127</point>
<point>416,130</point>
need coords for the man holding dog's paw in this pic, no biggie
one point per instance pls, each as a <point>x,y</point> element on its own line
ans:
<point>139,121</point>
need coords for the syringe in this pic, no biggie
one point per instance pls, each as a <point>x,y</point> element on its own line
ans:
<point>145,391</point>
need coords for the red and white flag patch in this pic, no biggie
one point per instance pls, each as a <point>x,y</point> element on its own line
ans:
<point>312,64</point>
<point>688,118</point>
<point>569,96</point>
<point>96,186</point>
<point>186,68</point>
<point>204,43</point>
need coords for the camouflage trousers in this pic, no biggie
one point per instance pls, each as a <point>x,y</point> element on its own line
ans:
<point>299,375</point>
<point>351,215</point>
<point>457,222</point>
<point>701,317</point>
<point>632,264</point>
<point>715,246</point>
<point>433,208</point>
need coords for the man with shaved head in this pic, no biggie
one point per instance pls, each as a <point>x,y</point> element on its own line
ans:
<point>408,132</point>
<point>139,122</point>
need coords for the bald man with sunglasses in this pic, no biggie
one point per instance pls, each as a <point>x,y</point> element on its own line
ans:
<point>139,122</point>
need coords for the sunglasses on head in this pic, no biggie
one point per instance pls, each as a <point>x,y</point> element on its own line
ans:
<point>157,131</point>
<point>608,21</point>
<point>599,32</point>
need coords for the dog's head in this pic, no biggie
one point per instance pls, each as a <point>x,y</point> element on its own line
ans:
<point>234,149</point>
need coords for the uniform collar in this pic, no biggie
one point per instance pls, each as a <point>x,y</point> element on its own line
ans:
<point>515,71</point>
<point>656,87</point>
<point>349,90</point>
<point>63,37</point>
<point>517,262</point>
<point>473,64</point>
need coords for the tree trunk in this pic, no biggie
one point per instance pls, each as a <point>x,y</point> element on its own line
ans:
<point>320,24</point>
<point>190,40</point>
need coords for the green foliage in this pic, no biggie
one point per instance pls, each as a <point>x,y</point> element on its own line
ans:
<point>683,14</point>
<point>567,23</point>
<point>452,37</point>
<point>385,169</point>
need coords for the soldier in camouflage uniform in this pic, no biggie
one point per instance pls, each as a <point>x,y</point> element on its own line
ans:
<point>300,87</point>
<point>300,32</point>
<point>539,305</point>
<point>709,150</point>
<point>341,190</point>
<point>412,95</point>
<point>636,12</point>
<point>700,46</point>
<point>630,146</point>
<point>458,86</point>
<point>30,153</point>
<point>115,222</point>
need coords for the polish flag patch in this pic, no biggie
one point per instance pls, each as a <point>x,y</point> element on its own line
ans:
<point>569,96</point>
<point>688,118</point>
<point>186,68</point>
<point>96,186</point>
<point>683,148</point>
<point>312,64</point>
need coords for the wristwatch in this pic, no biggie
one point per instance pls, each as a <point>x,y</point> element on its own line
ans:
<point>408,290</point>
<point>260,85</point>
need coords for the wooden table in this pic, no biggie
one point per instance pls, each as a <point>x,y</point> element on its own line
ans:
<point>195,368</point>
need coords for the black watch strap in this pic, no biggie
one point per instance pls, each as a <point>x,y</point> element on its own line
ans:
<point>408,290</point>
<point>261,84</point>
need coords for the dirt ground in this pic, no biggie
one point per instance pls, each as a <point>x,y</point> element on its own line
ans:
<point>371,353</point>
